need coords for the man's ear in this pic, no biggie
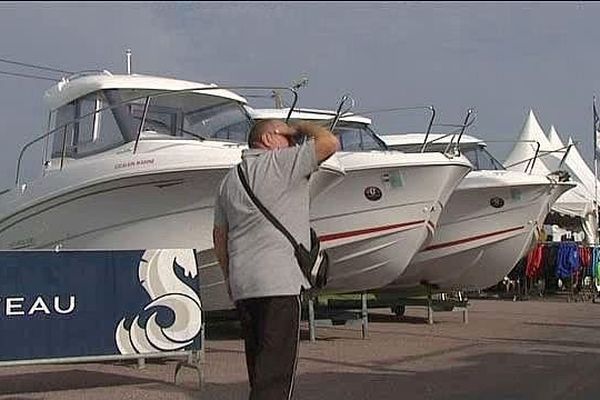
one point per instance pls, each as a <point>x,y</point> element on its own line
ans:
<point>267,140</point>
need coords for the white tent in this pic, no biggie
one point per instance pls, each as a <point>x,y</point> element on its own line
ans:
<point>526,147</point>
<point>575,202</point>
<point>574,162</point>
<point>579,168</point>
<point>554,139</point>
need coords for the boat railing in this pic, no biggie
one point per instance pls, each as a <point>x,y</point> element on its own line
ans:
<point>430,124</point>
<point>63,129</point>
<point>454,135</point>
<point>345,104</point>
<point>342,110</point>
<point>530,162</point>
<point>458,134</point>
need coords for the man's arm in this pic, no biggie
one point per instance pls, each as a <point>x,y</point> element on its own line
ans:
<point>326,143</point>
<point>220,243</point>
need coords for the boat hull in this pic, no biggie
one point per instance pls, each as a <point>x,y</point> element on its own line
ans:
<point>369,246</point>
<point>491,270</point>
<point>161,210</point>
<point>477,244</point>
<point>373,212</point>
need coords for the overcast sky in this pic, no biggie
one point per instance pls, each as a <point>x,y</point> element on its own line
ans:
<point>500,58</point>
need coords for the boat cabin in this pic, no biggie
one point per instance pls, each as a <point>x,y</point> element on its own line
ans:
<point>471,147</point>
<point>354,132</point>
<point>92,114</point>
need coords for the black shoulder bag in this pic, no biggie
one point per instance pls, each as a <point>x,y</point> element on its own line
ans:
<point>314,263</point>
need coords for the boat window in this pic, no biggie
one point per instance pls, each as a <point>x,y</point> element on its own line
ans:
<point>224,121</point>
<point>358,137</point>
<point>183,115</point>
<point>160,120</point>
<point>173,116</point>
<point>63,116</point>
<point>481,159</point>
<point>86,130</point>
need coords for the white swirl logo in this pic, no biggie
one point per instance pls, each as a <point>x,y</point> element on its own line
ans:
<point>172,319</point>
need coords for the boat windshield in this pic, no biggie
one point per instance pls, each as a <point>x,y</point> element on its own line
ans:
<point>476,153</point>
<point>358,137</point>
<point>481,159</point>
<point>353,136</point>
<point>109,118</point>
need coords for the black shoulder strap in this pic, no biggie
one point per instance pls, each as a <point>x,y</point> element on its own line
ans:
<point>262,208</point>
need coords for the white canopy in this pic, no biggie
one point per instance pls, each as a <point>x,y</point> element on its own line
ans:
<point>554,138</point>
<point>525,149</point>
<point>580,200</point>
<point>578,167</point>
<point>577,201</point>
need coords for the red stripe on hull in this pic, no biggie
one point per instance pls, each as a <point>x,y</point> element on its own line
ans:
<point>466,240</point>
<point>344,235</point>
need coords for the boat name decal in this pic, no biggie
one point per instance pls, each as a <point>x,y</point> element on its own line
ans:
<point>373,193</point>
<point>21,243</point>
<point>137,163</point>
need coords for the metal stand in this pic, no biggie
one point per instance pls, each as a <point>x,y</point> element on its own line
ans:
<point>465,315</point>
<point>365,315</point>
<point>429,306</point>
<point>311,319</point>
<point>141,363</point>
<point>195,360</point>
<point>337,316</point>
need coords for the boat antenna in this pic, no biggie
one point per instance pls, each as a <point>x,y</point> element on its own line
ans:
<point>128,55</point>
<point>300,82</point>
<point>296,84</point>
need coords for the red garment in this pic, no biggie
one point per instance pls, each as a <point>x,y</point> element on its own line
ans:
<point>585,255</point>
<point>534,262</point>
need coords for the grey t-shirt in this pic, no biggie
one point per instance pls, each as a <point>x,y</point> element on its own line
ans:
<point>261,259</point>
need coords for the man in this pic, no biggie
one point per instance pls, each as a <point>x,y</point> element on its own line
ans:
<point>258,262</point>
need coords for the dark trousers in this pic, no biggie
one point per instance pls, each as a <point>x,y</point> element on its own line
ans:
<point>270,326</point>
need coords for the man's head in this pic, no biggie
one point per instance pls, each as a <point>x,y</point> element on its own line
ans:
<point>271,134</point>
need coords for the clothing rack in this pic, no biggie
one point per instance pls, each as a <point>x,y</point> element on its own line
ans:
<point>576,265</point>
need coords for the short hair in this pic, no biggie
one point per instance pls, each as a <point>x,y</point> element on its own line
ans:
<point>258,130</point>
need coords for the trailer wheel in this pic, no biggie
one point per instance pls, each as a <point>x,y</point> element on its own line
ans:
<point>399,310</point>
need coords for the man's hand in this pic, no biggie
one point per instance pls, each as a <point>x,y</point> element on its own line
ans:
<point>326,143</point>
<point>286,130</point>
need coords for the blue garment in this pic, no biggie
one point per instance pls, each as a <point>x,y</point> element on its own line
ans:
<point>596,262</point>
<point>567,261</point>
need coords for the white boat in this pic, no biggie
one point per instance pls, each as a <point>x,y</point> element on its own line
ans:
<point>487,225</point>
<point>111,183</point>
<point>376,218</point>
<point>98,191</point>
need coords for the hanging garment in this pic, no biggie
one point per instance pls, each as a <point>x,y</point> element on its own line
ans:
<point>596,262</point>
<point>585,258</point>
<point>534,262</point>
<point>567,262</point>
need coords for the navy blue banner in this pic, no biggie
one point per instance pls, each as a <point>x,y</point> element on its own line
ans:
<point>92,303</point>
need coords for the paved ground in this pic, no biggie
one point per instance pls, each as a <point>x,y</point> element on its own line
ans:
<point>509,350</point>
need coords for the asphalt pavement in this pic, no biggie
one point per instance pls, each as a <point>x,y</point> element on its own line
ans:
<point>536,349</point>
